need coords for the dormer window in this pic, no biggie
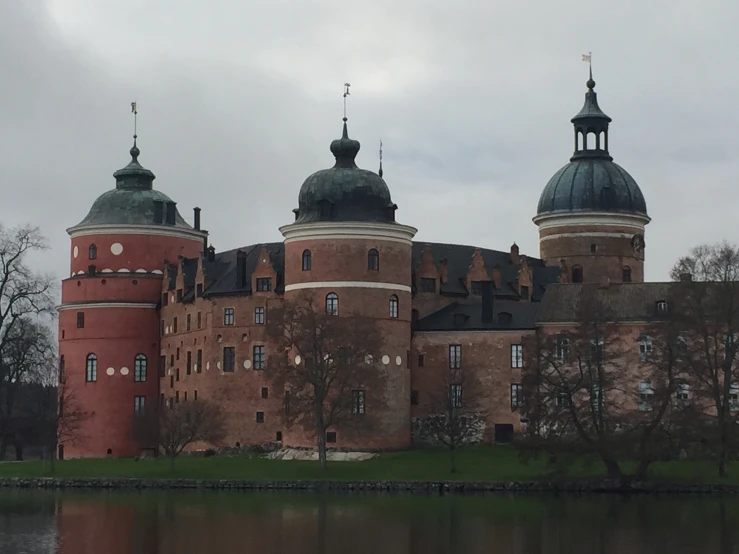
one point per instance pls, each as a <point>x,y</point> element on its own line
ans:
<point>92,252</point>
<point>505,318</point>
<point>476,288</point>
<point>264,284</point>
<point>661,306</point>
<point>428,284</point>
<point>524,293</point>
<point>460,320</point>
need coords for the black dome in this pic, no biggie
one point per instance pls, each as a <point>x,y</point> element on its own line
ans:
<point>345,192</point>
<point>592,184</point>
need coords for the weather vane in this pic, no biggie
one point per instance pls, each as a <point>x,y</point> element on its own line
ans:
<point>346,93</point>
<point>135,113</point>
<point>380,172</point>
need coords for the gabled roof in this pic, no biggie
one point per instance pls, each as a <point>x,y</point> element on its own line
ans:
<point>466,315</point>
<point>221,273</point>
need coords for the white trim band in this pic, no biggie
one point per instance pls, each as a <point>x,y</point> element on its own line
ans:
<point>328,230</point>
<point>347,285</point>
<point>586,233</point>
<point>90,305</point>
<point>574,219</point>
<point>158,230</point>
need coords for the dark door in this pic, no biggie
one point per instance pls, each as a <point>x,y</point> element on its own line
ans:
<point>503,432</point>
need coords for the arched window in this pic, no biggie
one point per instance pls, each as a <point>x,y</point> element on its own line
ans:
<point>332,304</point>
<point>393,306</point>
<point>61,368</point>
<point>92,252</point>
<point>91,368</point>
<point>373,260</point>
<point>626,274</point>
<point>139,368</point>
<point>306,260</point>
<point>577,274</point>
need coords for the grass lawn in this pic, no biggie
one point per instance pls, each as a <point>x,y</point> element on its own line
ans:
<point>488,463</point>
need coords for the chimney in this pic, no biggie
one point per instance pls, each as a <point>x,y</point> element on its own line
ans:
<point>514,254</point>
<point>686,277</point>
<point>196,212</point>
<point>158,211</point>
<point>487,301</point>
<point>241,268</point>
<point>211,254</point>
<point>170,215</point>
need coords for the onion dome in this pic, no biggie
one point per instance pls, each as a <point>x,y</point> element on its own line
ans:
<point>133,201</point>
<point>591,181</point>
<point>345,192</point>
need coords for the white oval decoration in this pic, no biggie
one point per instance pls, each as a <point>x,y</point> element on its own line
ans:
<point>398,360</point>
<point>218,365</point>
<point>207,365</point>
<point>157,272</point>
<point>247,364</point>
<point>124,270</point>
<point>171,298</point>
<point>107,270</point>
<point>195,368</point>
<point>141,270</point>
<point>297,359</point>
<point>110,371</point>
<point>76,252</point>
<point>124,371</point>
<point>116,249</point>
<point>386,359</point>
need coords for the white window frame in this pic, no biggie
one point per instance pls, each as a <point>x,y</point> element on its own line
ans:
<point>646,396</point>
<point>645,348</point>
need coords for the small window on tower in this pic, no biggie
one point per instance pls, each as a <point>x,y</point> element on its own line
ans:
<point>593,247</point>
<point>92,252</point>
<point>626,275</point>
<point>80,320</point>
<point>577,274</point>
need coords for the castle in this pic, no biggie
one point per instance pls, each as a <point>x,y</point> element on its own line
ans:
<point>151,315</point>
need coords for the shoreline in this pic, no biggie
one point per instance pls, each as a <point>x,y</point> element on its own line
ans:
<point>421,487</point>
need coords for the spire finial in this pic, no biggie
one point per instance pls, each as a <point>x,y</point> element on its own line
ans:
<point>589,58</point>
<point>135,150</point>
<point>346,93</point>
<point>380,172</point>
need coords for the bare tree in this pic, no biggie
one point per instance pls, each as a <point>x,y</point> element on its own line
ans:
<point>332,378</point>
<point>708,314</point>
<point>457,416</point>
<point>185,423</point>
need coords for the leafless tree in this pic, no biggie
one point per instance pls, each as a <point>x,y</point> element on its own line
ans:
<point>185,423</point>
<point>708,314</point>
<point>457,415</point>
<point>327,366</point>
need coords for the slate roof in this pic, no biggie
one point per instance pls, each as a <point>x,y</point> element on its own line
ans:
<point>626,301</point>
<point>467,315</point>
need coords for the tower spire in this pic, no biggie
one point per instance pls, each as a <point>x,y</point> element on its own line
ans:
<point>135,150</point>
<point>380,172</point>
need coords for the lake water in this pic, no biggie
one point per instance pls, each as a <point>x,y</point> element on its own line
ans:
<point>34,522</point>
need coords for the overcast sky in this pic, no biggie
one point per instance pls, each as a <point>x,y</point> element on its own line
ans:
<point>239,100</point>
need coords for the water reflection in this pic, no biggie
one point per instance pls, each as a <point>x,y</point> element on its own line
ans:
<point>34,522</point>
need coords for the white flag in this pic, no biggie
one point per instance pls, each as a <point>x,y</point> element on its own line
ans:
<point>586,57</point>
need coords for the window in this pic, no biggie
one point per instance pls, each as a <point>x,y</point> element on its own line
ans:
<point>596,397</point>
<point>524,293</point>
<point>174,325</point>
<point>278,436</point>
<point>373,260</point>
<point>200,320</point>
<point>91,368</point>
<point>516,395</point>
<point>562,349</point>
<point>162,365</point>
<point>61,368</point>
<point>332,304</point>
<point>646,394</point>
<point>165,299</point>
<point>661,306</point>
<point>264,284</point>
<point>577,274</point>
<point>229,358</point>
<point>259,315</point>
<point>187,324</point>
<point>92,252</point>
<point>682,395</point>
<point>265,393</point>
<point>681,347</point>
<point>185,397</point>
<point>331,436</point>
<point>260,417</point>
<point>80,320</point>
<point>139,368</point>
<point>562,400</point>
<point>306,260</point>
<point>228,316</point>
<point>455,395</point>
<point>516,355</point>
<point>455,356</point>
<point>179,295</point>
<point>593,248</point>
<point>177,356</point>
<point>199,362</point>
<point>414,398</point>
<point>734,397</point>
<point>428,284</point>
<point>421,360</point>
<point>393,306</point>
<point>194,395</point>
<point>177,373</point>
<point>596,349</point>
<point>358,402</point>
<point>626,274</point>
<point>258,357</point>
<point>199,289</point>
<point>139,405</point>
<point>171,360</point>
<point>188,362</point>
<point>476,288</point>
<point>177,397</point>
<point>645,348</point>
<point>171,381</point>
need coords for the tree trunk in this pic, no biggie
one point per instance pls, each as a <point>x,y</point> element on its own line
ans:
<point>613,470</point>
<point>52,458</point>
<point>321,432</point>
<point>18,452</point>
<point>452,459</point>
<point>4,447</point>
<point>641,470</point>
<point>722,450</point>
<point>171,462</point>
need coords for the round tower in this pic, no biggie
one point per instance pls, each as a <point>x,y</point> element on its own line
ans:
<point>108,318</point>
<point>347,249</point>
<point>592,214</point>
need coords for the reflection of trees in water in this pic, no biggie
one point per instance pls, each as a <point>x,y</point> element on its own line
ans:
<point>210,523</point>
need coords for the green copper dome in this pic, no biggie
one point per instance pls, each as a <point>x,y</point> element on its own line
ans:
<point>134,201</point>
<point>345,192</point>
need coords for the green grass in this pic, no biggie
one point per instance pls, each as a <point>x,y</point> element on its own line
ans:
<point>489,463</point>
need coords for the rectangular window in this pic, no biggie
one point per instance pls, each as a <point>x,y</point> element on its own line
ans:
<point>91,368</point>
<point>199,362</point>
<point>476,288</point>
<point>265,392</point>
<point>596,349</point>
<point>516,355</point>
<point>200,320</point>
<point>646,394</point>
<point>455,395</point>
<point>80,320</point>
<point>259,315</point>
<point>162,365</point>
<point>682,395</point>
<point>562,400</point>
<point>596,398</point>
<point>171,381</point>
<point>228,316</point>
<point>331,437</point>
<point>187,324</point>
<point>258,357</point>
<point>229,358</point>
<point>455,356</point>
<point>177,397</point>
<point>177,373</point>
<point>626,275</point>
<point>194,395</point>
<point>179,295</point>
<point>184,399</point>
<point>563,349</point>
<point>199,289</point>
<point>734,397</point>
<point>139,405</point>
<point>524,293</point>
<point>428,284</point>
<point>177,356</point>
<point>516,396</point>
<point>420,360</point>
<point>171,360</point>
<point>358,402</point>
<point>264,284</point>
<point>645,348</point>
<point>165,299</point>
<point>260,417</point>
<point>414,398</point>
<point>174,326</point>
<point>188,363</point>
